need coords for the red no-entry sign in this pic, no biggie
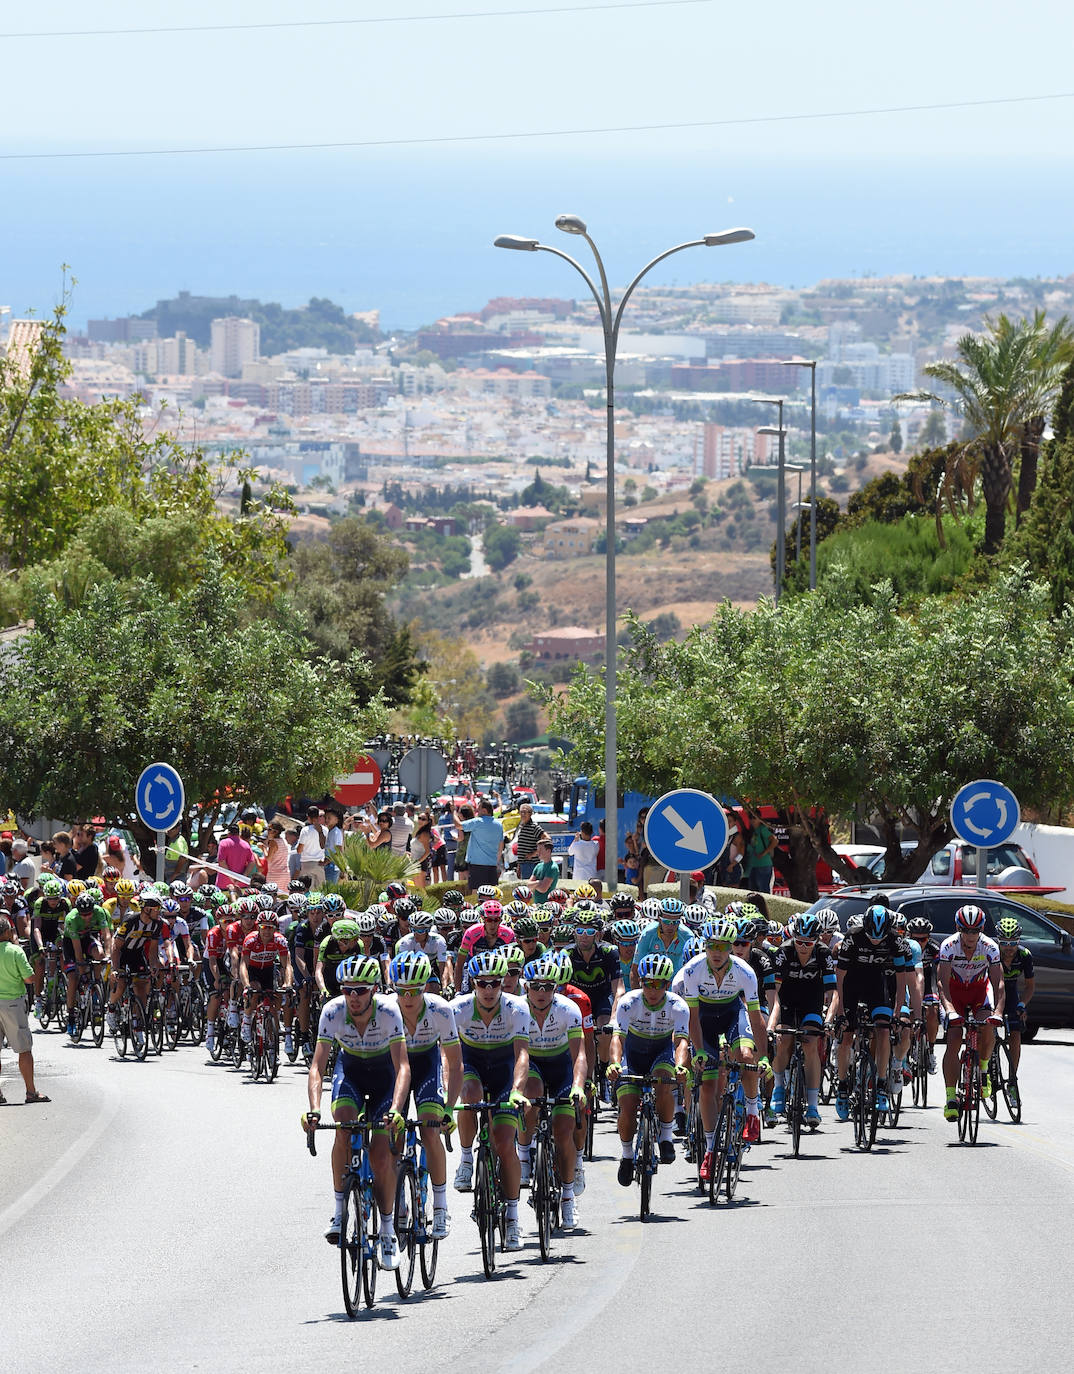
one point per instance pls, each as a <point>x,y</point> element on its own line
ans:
<point>360,786</point>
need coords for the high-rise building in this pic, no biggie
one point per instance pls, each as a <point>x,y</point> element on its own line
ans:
<point>234,341</point>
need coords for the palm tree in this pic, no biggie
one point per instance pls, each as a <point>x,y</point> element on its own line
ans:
<point>1052,354</point>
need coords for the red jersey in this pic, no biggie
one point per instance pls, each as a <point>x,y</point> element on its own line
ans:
<point>236,935</point>
<point>216,942</point>
<point>261,953</point>
<point>582,1002</point>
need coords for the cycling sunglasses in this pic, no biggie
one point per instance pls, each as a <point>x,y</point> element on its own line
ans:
<point>542,987</point>
<point>585,930</point>
<point>654,983</point>
<point>488,982</point>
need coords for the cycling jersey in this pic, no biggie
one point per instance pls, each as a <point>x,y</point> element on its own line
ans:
<point>651,943</point>
<point>969,967</point>
<point>1021,966</point>
<point>261,953</point>
<point>365,1073</point>
<point>78,926</point>
<point>216,943</point>
<point>723,1002</point>
<point>488,1051</point>
<point>51,918</point>
<point>550,1054</point>
<point>139,932</point>
<point>331,956</point>
<point>761,963</point>
<point>475,940</point>
<point>858,954</point>
<point>435,947</point>
<point>649,1033</point>
<point>582,1002</point>
<point>597,975</point>
<point>803,983</point>
<point>434,1028</point>
<point>236,933</point>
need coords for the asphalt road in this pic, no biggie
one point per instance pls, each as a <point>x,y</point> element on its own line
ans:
<point>167,1216</point>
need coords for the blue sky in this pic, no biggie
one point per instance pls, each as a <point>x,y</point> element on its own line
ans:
<point>669,64</point>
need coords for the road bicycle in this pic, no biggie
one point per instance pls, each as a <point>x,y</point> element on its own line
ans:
<point>829,1075</point>
<point>863,1082</point>
<point>795,1096</point>
<point>895,1081</point>
<point>193,1004</point>
<point>265,1037</point>
<point>1002,1081</point>
<point>728,1147</point>
<point>413,1213</point>
<point>546,1190</point>
<point>359,1233</point>
<point>132,1023</point>
<point>490,1208</point>
<point>917,1061</point>
<point>969,1080</point>
<point>53,999</point>
<point>595,1098</point>
<point>646,1138</point>
<point>89,1002</point>
<point>694,1143</point>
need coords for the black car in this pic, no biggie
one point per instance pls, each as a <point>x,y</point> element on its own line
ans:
<point>1050,946</point>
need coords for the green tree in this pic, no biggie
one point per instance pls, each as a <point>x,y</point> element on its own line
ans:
<point>520,720</point>
<point>744,707</point>
<point>895,439</point>
<point>934,430</point>
<point>503,679</point>
<point>501,544</point>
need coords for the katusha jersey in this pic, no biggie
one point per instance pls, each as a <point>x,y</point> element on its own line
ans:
<point>969,967</point>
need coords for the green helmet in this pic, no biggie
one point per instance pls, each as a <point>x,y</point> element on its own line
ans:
<point>51,887</point>
<point>363,971</point>
<point>346,930</point>
<point>515,956</point>
<point>720,931</point>
<point>1009,929</point>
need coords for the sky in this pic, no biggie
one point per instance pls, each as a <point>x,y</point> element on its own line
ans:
<point>405,221</point>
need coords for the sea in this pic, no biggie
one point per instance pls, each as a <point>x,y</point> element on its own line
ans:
<point>410,232</point>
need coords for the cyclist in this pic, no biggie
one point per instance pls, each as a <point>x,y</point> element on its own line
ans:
<point>970,976</point>
<point>516,961</point>
<point>668,934</point>
<point>864,957</point>
<point>371,1080</point>
<point>48,915</point>
<point>720,992</point>
<point>1017,963</point>
<point>920,929</point>
<point>262,950</point>
<point>87,934</point>
<point>341,943</point>
<point>804,972</point>
<point>235,933</point>
<point>557,1070</point>
<point>217,976</point>
<point>135,953</point>
<point>423,940</point>
<point>651,1035</point>
<point>581,1000</point>
<point>528,936</point>
<point>494,1029</point>
<point>487,934</point>
<point>597,973</point>
<point>624,932</point>
<point>432,1045</point>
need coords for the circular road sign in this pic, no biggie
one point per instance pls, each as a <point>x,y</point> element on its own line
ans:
<point>353,789</point>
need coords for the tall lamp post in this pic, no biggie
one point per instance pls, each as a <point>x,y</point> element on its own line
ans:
<point>812,365</point>
<point>610,318</point>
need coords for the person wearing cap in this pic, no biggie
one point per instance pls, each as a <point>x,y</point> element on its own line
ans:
<point>118,856</point>
<point>15,973</point>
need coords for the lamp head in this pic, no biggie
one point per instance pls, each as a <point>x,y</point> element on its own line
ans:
<point>570,224</point>
<point>729,236</point>
<point>517,242</point>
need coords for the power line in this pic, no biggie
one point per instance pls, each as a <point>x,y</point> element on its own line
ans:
<point>351,23</point>
<point>541,133</point>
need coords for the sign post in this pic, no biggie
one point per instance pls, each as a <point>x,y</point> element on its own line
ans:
<point>422,770</point>
<point>686,830</point>
<point>985,814</point>
<point>160,801</point>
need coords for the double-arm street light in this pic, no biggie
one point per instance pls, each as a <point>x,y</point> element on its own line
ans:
<point>610,318</point>
<point>812,365</point>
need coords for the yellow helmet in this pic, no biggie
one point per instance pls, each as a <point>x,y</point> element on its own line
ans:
<point>75,888</point>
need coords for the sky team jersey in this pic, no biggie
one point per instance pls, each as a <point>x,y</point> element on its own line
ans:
<point>435,947</point>
<point>435,1026</point>
<point>858,955</point>
<point>704,990</point>
<point>793,976</point>
<point>384,1029</point>
<point>968,967</point>
<point>636,1021</point>
<point>261,953</point>
<point>562,1025</point>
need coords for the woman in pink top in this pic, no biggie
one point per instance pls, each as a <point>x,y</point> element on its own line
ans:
<point>277,851</point>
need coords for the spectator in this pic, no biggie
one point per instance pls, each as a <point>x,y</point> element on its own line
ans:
<point>86,854</point>
<point>729,865</point>
<point>66,866</point>
<point>484,847</point>
<point>601,860</point>
<point>48,857</point>
<point>545,874</point>
<point>177,854</point>
<point>311,842</point>
<point>22,866</point>
<point>401,829</point>
<point>760,846</point>
<point>333,840</point>
<point>761,903</point>
<point>277,855</point>
<point>449,838</point>
<point>526,837</point>
<point>464,813</point>
<point>583,854</point>
<point>379,832</point>
<point>235,855</point>
<point>421,848</point>
<point>118,855</point>
<point>15,973</point>
<point>210,853</point>
<point>294,858</point>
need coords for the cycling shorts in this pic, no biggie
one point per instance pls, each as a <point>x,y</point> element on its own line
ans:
<point>809,1021</point>
<point>556,1072</point>
<point>426,1083</point>
<point>263,978</point>
<point>133,961</point>
<point>731,1024</point>
<point>367,1086</point>
<point>1014,1018</point>
<point>495,1081</point>
<point>876,1013</point>
<point>966,997</point>
<point>91,949</point>
<point>658,1060</point>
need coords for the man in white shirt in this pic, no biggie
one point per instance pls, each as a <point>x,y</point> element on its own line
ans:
<point>583,853</point>
<point>22,866</point>
<point>311,842</point>
<point>401,829</point>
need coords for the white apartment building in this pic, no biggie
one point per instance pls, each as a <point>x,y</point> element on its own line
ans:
<point>234,341</point>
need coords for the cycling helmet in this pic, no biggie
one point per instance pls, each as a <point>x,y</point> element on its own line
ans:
<point>410,970</point>
<point>366,923</point>
<point>491,910</point>
<point>563,935</point>
<point>182,892</point>
<point>720,931</point>
<point>829,919</point>
<point>298,885</point>
<point>515,957</point>
<point>378,911</point>
<point>315,900</point>
<point>1009,930</point>
<point>268,918</point>
<point>920,928</point>
<point>969,917</point>
<point>74,887</point>
<point>404,907</point>
<point>124,888</point>
<point>490,963</point>
<point>876,921</point>
<point>790,930</point>
<point>346,929</point>
<point>695,915</point>
<point>151,898</point>
<point>273,889</point>
<point>387,926</point>
<point>542,970</point>
<point>656,967</point>
<point>899,921</point>
<point>622,901</point>
<point>332,904</point>
<point>109,874</point>
<point>523,894</point>
<point>515,910</point>
<point>694,946</point>
<point>525,928</point>
<point>360,970</point>
<point>558,896</point>
<point>584,892</point>
<point>453,898</point>
<point>421,922</point>
<point>585,905</point>
<point>296,903</point>
<point>169,907</point>
<point>624,932</point>
<point>266,902</point>
<point>488,892</point>
<point>671,909</point>
<point>565,964</point>
<point>773,930</point>
<point>444,916</point>
<point>854,924</point>
<point>736,909</point>
<point>650,908</point>
<point>394,891</point>
<point>808,926</point>
<point>85,901</point>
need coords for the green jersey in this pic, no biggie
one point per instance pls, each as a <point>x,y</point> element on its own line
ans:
<point>79,924</point>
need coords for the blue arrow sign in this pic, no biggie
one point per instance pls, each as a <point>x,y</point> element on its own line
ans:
<point>686,829</point>
<point>159,797</point>
<point>985,813</point>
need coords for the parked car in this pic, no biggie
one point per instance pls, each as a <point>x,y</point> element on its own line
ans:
<point>956,864</point>
<point>1050,945</point>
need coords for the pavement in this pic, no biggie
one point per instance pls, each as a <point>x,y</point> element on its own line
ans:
<point>167,1216</point>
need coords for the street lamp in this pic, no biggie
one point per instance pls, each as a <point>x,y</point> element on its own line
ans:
<point>610,318</point>
<point>812,365</point>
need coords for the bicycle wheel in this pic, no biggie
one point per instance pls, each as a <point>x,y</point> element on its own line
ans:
<point>719,1151</point>
<point>965,1093</point>
<point>370,1244</point>
<point>296,1033</point>
<point>1009,1084</point>
<point>485,1208</point>
<point>541,1196</point>
<point>698,1145</point>
<point>271,1048</point>
<point>735,1151</point>
<point>171,1021</point>
<point>139,1027</point>
<point>590,1127</point>
<point>154,1009</point>
<point>861,1133</point>
<point>991,1103</point>
<point>196,1022</point>
<point>429,1248</point>
<point>644,1153</point>
<point>122,1035</point>
<point>795,1104</point>
<point>81,1013</point>
<point>872,1116</point>
<point>238,1047</point>
<point>827,1074</point>
<point>350,1244</point>
<point>257,1047</point>
<point>96,1013</point>
<point>406,1225</point>
<point>216,1051</point>
<point>973,1114</point>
